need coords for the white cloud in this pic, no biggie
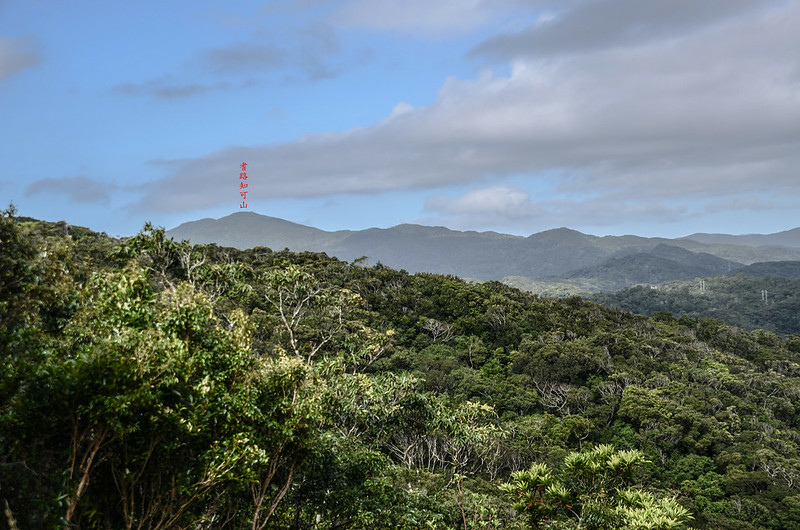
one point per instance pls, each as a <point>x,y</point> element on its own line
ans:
<point>591,25</point>
<point>502,200</point>
<point>400,109</point>
<point>308,53</point>
<point>424,16</point>
<point>710,115</point>
<point>308,49</point>
<point>511,208</point>
<point>416,15</point>
<point>75,189</point>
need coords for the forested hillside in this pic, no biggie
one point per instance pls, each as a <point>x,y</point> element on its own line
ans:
<point>662,264</point>
<point>768,302</point>
<point>147,383</point>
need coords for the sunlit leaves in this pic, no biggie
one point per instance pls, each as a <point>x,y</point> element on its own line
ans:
<point>592,489</point>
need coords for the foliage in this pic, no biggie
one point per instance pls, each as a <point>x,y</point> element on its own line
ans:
<point>751,302</point>
<point>593,489</point>
<point>149,383</point>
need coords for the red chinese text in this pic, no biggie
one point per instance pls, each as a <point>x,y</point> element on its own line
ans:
<point>243,184</point>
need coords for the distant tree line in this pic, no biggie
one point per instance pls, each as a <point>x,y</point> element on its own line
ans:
<point>770,303</point>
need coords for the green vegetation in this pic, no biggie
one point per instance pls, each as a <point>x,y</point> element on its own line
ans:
<point>770,303</point>
<point>146,383</point>
<point>551,288</point>
<point>661,264</point>
<point>594,490</point>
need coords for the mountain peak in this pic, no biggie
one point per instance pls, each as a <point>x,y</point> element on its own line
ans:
<point>480,255</point>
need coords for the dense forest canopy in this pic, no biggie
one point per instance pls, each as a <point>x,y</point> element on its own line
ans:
<point>768,301</point>
<point>149,383</point>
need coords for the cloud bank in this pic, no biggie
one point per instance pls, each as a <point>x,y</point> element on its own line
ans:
<point>652,107</point>
<point>76,189</point>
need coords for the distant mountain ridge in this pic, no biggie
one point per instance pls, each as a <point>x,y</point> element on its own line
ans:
<point>775,269</point>
<point>616,261</point>
<point>664,263</point>
<point>787,238</point>
<point>247,230</point>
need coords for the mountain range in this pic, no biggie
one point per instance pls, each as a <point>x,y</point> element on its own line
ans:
<point>561,254</point>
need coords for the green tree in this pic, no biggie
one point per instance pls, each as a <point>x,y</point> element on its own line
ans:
<point>592,490</point>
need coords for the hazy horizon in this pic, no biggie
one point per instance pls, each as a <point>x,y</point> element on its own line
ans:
<point>466,230</point>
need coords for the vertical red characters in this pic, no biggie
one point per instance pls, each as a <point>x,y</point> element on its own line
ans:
<point>243,184</point>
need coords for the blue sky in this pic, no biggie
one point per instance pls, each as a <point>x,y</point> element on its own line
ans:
<point>658,118</point>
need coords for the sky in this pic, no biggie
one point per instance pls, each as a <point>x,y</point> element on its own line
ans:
<point>655,118</point>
